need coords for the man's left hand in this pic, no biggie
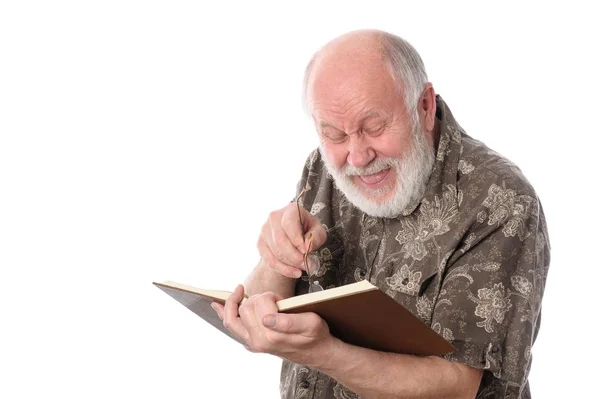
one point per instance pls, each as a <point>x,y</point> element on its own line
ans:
<point>302,338</point>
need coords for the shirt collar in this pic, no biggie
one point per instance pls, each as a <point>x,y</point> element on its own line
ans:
<point>445,169</point>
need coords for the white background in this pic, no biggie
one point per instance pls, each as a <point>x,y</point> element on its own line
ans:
<point>144,140</point>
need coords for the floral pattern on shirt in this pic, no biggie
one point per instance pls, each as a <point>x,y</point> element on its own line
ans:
<point>492,305</point>
<point>404,281</point>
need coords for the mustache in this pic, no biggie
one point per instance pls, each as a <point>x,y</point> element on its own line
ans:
<point>377,165</point>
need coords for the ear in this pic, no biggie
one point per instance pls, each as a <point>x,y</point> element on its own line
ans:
<point>427,108</point>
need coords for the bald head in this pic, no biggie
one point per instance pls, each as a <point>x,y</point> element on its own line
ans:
<point>369,54</point>
<point>357,45</point>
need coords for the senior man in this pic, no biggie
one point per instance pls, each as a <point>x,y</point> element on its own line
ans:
<point>399,194</point>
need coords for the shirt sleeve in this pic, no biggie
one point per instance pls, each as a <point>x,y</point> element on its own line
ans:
<point>490,299</point>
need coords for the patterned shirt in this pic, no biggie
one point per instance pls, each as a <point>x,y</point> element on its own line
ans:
<point>470,260</point>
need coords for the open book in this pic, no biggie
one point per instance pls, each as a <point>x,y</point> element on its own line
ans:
<point>358,313</point>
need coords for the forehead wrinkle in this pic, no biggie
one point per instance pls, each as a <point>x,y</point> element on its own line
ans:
<point>360,120</point>
<point>368,115</point>
<point>342,111</point>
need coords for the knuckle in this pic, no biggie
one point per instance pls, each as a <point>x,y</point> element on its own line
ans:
<point>285,324</point>
<point>262,298</point>
<point>286,221</point>
<point>258,298</point>
<point>313,331</point>
<point>268,296</point>
<point>314,319</point>
<point>247,337</point>
<point>274,215</point>
<point>243,310</point>
<point>315,325</point>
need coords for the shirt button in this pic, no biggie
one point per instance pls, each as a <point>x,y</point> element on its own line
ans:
<point>304,384</point>
<point>362,273</point>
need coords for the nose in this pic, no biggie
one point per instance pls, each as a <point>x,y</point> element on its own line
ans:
<point>360,153</point>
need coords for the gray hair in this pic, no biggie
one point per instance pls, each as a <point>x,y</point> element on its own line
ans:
<point>406,67</point>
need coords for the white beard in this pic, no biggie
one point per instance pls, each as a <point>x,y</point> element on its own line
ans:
<point>412,175</point>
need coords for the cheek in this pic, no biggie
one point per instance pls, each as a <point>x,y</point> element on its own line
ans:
<point>392,145</point>
<point>336,154</point>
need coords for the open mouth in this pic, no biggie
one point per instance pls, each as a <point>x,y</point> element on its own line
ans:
<point>375,178</point>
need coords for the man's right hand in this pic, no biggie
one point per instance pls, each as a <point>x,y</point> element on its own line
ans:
<point>282,243</point>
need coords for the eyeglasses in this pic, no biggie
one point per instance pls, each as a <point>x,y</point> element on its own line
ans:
<point>313,285</point>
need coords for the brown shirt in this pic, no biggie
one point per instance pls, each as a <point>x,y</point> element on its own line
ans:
<point>470,260</point>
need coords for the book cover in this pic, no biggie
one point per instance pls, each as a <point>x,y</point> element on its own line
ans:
<point>359,314</point>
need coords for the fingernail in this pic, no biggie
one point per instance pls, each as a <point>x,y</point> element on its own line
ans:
<point>269,321</point>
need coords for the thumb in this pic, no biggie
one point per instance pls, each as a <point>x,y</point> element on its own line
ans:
<point>315,229</point>
<point>301,323</point>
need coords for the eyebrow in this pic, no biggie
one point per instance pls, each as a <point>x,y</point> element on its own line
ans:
<point>360,122</point>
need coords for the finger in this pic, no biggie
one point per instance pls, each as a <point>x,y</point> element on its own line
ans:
<point>218,308</point>
<point>267,237</point>
<point>273,263</point>
<point>281,244</point>
<point>231,320</point>
<point>317,230</point>
<point>248,315</point>
<point>232,304</point>
<point>307,324</point>
<point>293,228</point>
<point>237,328</point>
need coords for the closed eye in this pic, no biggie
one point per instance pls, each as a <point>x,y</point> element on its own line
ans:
<point>374,131</point>
<point>334,135</point>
